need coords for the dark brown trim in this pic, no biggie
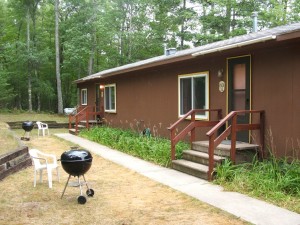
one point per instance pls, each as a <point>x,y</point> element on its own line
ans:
<point>288,36</point>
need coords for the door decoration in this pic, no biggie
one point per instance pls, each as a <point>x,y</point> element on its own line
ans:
<point>221,86</point>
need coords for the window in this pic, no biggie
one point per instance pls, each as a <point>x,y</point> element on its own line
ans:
<point>110,98</point>
<point>84,96</point>
<point>193,93</point>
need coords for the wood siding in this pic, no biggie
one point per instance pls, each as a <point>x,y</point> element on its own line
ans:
<point>149,97</point>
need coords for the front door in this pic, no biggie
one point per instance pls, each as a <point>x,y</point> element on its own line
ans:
<point>239,84</point>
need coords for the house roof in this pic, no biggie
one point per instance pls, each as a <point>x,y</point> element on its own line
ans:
<point>235,42</point>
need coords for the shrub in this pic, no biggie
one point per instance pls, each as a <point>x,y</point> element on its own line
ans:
<point>154,149</point>
<point>274,180</point>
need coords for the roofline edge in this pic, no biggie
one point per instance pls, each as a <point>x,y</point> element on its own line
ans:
<point>227,47</point>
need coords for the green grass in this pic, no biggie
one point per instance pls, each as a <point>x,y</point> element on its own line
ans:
<point>8,138</point>
<point>8,142</point>
<point>152,149</point>
<point>26,116</point>
<point>275,180</point>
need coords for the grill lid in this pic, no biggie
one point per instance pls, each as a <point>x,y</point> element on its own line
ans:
<point>77,155</point>
<point>27,125</point>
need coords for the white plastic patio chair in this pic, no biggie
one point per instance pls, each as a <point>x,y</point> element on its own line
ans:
<point>42,127</point>
<point>42,161</point>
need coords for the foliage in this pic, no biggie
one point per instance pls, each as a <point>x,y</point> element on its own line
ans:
<point>152,149</point>
<point>100,34</point>
<point>6,93</point>
<point>274,180</point>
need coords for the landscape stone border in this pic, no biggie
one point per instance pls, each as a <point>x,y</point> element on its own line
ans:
<point>15,161</point>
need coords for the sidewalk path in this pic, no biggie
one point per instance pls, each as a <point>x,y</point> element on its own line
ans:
<point>249,209</point>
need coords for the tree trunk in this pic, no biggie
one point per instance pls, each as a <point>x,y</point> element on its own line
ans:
<point>182,30</point>
<point>285,10</point>
<point>92,54</point>
<point>227,19</point>
<point>58,79</point>
<point>28,63</point>
<point>38,94</point>
<point>35,64</point>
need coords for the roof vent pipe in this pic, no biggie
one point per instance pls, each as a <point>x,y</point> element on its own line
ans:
<point>170,51</point>
<point>254,15</point>
<point>165,49</point>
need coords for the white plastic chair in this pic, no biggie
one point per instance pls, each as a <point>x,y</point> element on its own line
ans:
<point>42,161</point>
<point>42,127</point>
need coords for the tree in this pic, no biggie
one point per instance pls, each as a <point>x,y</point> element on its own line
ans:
<point>187,20</point>
<point>58,79</point>
<point>41,55</point>
<point>6,94</point>
<point>279,12</point>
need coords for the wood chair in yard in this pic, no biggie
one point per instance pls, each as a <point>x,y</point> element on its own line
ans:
<point>42,161</point>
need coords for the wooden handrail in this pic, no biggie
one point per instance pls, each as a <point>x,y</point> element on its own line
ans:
<point>214,139</point>
<point>83,113</point>
<point>232,129</point>
<point>190,128</point>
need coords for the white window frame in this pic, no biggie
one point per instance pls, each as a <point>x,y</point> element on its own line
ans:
<point>84,96</point>
<point>110,109</point>
<point>204,74</point>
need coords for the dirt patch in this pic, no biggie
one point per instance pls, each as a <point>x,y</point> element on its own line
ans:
<point>122,197</point>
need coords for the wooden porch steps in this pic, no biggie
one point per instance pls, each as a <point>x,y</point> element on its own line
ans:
<point>192,168</point>
<point>195,161</point>
<point>200,157</point>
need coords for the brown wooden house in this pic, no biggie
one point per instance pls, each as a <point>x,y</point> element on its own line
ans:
<point>256,75</point>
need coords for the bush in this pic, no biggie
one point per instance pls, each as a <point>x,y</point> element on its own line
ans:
<point>274,180</point>
<point>153,149</point>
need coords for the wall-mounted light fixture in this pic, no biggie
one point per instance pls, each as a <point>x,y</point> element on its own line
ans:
<point>101,87</point>
<point>220,73</point>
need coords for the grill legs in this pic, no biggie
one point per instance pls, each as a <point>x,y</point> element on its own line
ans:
<point>81,199</point>
<point>65,187</point>
<point>26,136</point>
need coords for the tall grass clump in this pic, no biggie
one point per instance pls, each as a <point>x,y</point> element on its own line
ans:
<point>274,180</point>
<point>8,141</point>
<point>153,149</point>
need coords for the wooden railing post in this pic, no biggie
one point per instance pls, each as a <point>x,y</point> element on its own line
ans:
<point>233,138</point>
<point>193,132</point>
<point>262,134</point>
<point>76,125</point>
<point>87,118</point>
<point>173,157</point>
<point>211,148</point>
<point>70,121</point>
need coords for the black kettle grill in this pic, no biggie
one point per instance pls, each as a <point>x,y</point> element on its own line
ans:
<point>27,127</point>
<point>76,162</point>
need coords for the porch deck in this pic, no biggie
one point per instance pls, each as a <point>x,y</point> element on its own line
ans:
<point>226,145</point>
<point>91,122</point>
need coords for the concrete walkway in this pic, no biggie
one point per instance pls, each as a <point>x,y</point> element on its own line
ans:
<point>242,206</point>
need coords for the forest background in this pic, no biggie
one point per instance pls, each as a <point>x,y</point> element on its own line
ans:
<point>38,65</point>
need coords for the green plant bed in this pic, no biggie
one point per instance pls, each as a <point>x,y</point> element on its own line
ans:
<point>149,148</point>
<point>275,180</point>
